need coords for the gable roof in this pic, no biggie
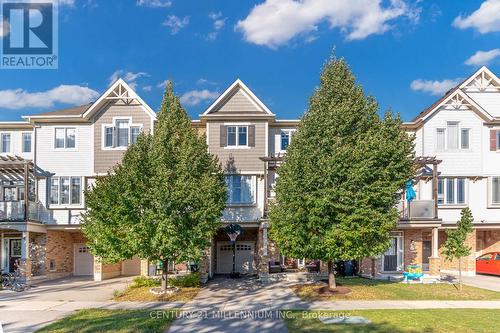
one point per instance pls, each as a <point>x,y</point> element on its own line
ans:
<point>119,90</point>
<point>238,87</point>
<point>452,93</point>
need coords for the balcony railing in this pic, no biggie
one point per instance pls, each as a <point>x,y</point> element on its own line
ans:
<point>14,211</point>
<point>416,209</point>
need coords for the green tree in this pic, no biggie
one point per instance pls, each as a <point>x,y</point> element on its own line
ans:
<point>454,247</point>
<point>164,201</point>
<point>341,178</point>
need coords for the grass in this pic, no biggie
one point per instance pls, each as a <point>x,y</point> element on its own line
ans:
<point>139,290</point>
<point>120,321</point>
<point>399,321</point>
<point>367,289</point>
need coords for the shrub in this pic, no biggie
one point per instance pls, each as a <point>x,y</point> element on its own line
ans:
<point>142,281</point>
<point>186,281</point>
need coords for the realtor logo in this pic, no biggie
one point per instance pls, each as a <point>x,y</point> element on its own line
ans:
<point>29,34</point>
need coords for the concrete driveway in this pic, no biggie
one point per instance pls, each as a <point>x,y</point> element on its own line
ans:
<point>47,301</point>
<point>490,282</point>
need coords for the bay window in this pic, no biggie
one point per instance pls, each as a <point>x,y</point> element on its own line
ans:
<point>120,134</point>
<point>451,191</point>
<point>65,191</point>
<point>240,189</point>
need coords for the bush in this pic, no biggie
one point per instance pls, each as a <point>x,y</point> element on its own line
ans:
<point>186,281</point>
<point>142,281</point>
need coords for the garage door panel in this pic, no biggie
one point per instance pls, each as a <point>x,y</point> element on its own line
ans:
<point>83,260</point>
<point>244,257</point>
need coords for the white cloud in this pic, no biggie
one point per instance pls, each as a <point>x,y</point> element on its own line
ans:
<point>195,97</point>
<point>64,94</point>
<point>483,57</point>
<point>154,3</point>
<point>147,88</point>
<point>203,81</point>
<point>129,77</point>
<point>176,23</point>
<point>436,88</point>
<point>218,23</point>
<point>162,84</point>
<point>275,22</point>
<point>485,19</point>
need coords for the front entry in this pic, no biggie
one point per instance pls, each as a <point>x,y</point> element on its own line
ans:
<point>426,253</point>
<point>11,254</point>
<point>243,259</point>
<point>392,259</point>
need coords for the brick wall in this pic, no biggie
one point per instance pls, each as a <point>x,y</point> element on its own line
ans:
<point>487,241</point>
<point>369,267</point>
<point>59,248</point>
<point>413,247</point>
<point>468,263</point>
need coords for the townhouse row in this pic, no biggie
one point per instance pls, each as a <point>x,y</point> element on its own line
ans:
<point>49,159</point>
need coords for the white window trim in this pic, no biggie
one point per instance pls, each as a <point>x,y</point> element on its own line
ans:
<point>445,204</point>
<point>113,125</point>
<point>253,191</point>
<point>491,204</point>
<point>68,205</point>
<point>237,146</point>
<point>31,142</point>
<point>64,148</point>
<point>10,143</point>
<point>445,131</point>
<point>498,139</point>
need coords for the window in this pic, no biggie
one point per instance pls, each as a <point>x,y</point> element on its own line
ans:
<point>5,142</point>
<point>9,194</point>
<point>464,138</point>
<point>65,190</point>
<point>440,139</point>
<point>498,140</point>
<point>26,142</point>
<point>240,189</point>
<point>451,191</point>
<point>108,137</point>
<point>122,128</point>
<point>495,190</point>
<point>452,129</point>
<point>485,257</point>
<point>134,134</point>
<point>237,136</point>
<point>497,257</point>
<point>65,138</point>
<point>120,134</point>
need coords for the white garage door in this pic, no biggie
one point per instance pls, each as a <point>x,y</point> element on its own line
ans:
<point>244,257</point>
<point>84,260</point>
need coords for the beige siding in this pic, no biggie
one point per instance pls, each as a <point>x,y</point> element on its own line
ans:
<point>239,103</point>
<point>247,159</point>
<point>106,159</point>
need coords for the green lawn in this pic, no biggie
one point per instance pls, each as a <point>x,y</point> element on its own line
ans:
<point>401,321</point>
<point>121,321</point>
<point>367,289</point>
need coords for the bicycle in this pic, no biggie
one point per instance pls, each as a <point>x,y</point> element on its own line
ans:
<point>15,281</point>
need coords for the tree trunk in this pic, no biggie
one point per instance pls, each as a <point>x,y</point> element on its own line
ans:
<point>460,274</point>
<point>164,275</point>
<point>331,276</point>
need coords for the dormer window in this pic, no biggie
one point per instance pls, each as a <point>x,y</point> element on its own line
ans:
<point>120,134</point>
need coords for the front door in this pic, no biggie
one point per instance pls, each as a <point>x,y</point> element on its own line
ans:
<point>392,260</point>
<point>13,254</point>
<point>426,253</point>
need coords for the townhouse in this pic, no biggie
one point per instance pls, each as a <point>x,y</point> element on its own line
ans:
<point>48,160</point>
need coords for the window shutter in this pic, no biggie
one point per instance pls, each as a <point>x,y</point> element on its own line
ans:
<point>115,137</point>
<point>223,135</point>
<point>493,140</point>
<point>251,135</point>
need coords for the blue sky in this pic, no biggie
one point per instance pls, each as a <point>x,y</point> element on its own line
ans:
<point>405,53</point>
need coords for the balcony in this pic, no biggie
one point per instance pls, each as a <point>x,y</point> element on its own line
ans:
<point>417,210</point>
<point>13,211</point>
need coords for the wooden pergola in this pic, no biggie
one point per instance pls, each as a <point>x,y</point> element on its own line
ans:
<point>14,169</point>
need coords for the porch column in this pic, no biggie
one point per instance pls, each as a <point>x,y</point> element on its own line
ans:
<point>434,260</point>
<point>261,251</point>
<point>25,254</point>
<point>435,189</point>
